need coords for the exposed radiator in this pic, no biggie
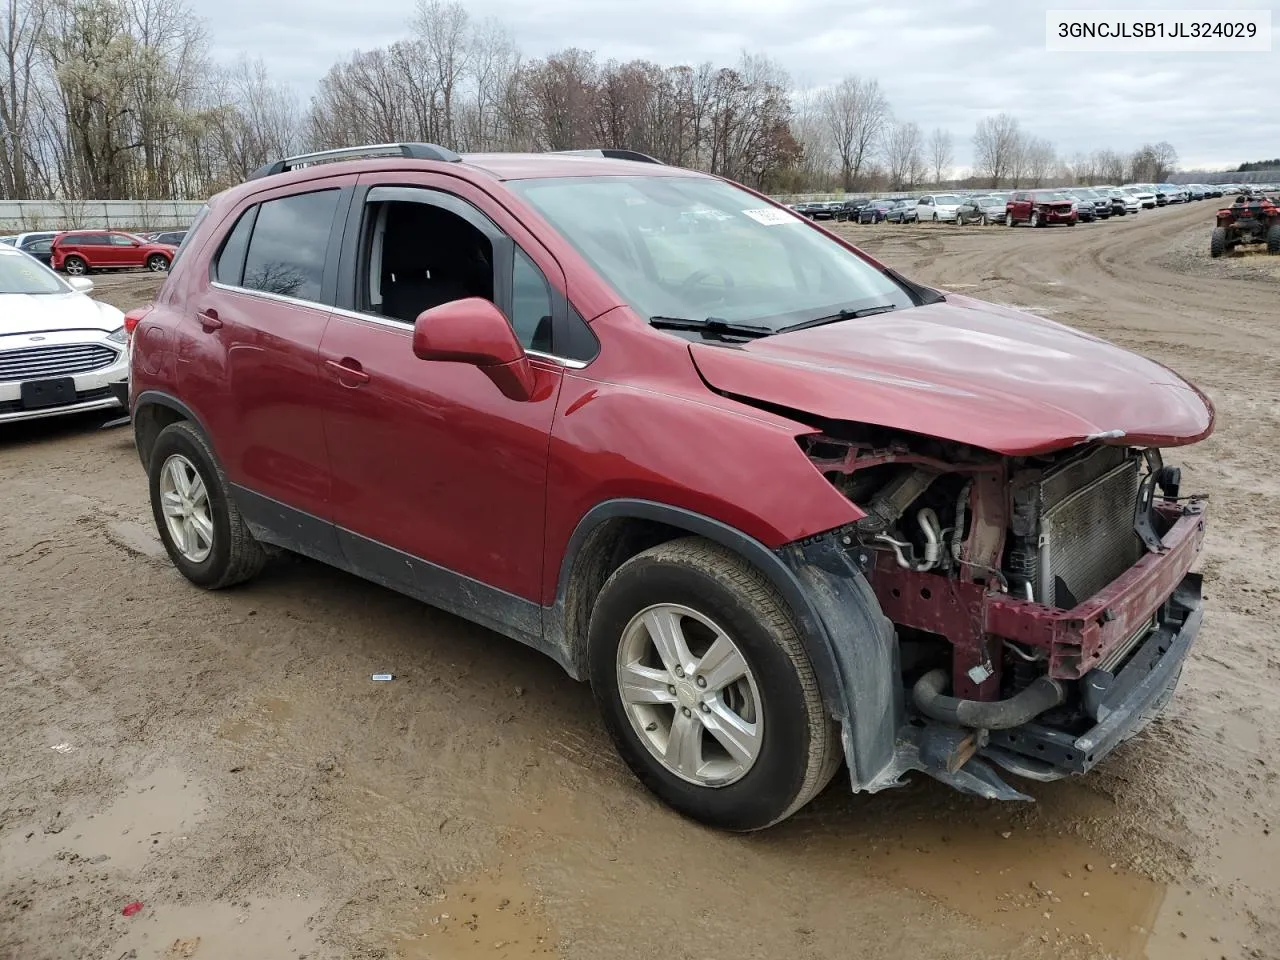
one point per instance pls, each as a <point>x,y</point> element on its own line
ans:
<point>1086,537</point>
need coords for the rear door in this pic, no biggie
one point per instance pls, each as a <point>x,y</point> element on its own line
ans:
<point>249,353</point>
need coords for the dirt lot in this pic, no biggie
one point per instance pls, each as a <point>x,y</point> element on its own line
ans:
<point>226,760</point>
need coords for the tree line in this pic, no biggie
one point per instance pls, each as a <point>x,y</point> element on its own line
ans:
<point>106,99</point>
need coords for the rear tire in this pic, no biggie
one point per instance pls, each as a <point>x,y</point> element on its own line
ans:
<point>1218,242</point>
<point>1273,238</point>
<point>710,599</point>
<point>75,266</point>
<point>983,221</point>
<point>157,263</point>
<point>225,552</point>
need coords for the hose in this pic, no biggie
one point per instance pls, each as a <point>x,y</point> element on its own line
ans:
<point>1044,693</point>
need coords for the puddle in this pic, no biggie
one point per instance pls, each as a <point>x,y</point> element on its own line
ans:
<point>266,717</point>
<point>1035,885</point>
<point>272,929</point>
<point>493,916</point>
<point>137,538</point>
<point>150,816</point>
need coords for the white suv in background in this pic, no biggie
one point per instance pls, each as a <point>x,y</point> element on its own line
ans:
<point>942,206</point>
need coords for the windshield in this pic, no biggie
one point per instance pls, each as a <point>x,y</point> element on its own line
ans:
<point>1050,195</point>
<point>696,248</point>
<point>989,201</point>
<point>945,199</point>
<point>25,275</point>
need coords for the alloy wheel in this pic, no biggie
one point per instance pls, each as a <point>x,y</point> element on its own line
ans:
<point>184,499</point>
<point>690,695</point>
<point>75,267</point>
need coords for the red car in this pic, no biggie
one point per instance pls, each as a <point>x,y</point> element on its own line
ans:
<point>784,508</point>
<point>79,251</point>
<point>1039,208</point>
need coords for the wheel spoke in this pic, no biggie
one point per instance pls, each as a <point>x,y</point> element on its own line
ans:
<point>668,637</point>
<point>179,477</point>
<point>721,665</point>
<point>645,685</point>
<point>739,738</point>
<point>171,504</point>
<point>684,745</point>
<point>178,529</point>
<point>196,491</point>
<point>203,529</point>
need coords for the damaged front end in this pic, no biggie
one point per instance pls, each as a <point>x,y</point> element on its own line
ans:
<point>1041,606</point>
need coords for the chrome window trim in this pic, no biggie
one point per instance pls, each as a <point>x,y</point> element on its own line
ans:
<point>369,318</point>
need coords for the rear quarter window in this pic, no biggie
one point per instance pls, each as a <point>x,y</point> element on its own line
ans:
<point>290,240</point>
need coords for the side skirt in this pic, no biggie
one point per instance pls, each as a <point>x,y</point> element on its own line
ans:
<point>505,613</point>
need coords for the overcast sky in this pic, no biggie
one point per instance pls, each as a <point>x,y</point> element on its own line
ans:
<point>942,62</point>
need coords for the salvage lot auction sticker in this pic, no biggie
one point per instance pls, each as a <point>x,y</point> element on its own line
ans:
<point>771,217</point>
<point>1158,31</point>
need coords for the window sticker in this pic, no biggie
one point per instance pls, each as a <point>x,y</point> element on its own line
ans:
<point>771,217</point>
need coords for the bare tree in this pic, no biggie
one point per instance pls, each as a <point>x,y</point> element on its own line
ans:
<point>1166,160</point>
<point>901,152</point>
<point>941,153</point>
<point>1038,160</point>
<point>856,114</point>
<point>997,146</point>
<point>21,24</point>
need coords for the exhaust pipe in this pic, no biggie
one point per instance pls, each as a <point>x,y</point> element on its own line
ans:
<point>1043,694</point>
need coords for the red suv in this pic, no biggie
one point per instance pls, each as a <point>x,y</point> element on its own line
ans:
<point>1039,208</point>
<point>80,251</point>
<point>780,505</point>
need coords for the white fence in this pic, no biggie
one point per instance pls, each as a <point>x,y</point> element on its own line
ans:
<point>21,215</point>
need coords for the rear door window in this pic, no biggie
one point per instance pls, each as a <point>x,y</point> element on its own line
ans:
<point>228,268</point>
<point>290,240</point>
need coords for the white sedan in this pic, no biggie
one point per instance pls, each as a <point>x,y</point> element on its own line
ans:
<point>60,352</point>
<point>942,206</point>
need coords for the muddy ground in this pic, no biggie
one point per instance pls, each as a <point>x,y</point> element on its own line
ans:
<point>225,759</point>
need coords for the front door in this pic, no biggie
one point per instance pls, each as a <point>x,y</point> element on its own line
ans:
<point>429,459</point>
<point>123,251</point>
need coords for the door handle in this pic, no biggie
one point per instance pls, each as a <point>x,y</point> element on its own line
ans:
<point>348,371</point>
<point>209,321</point>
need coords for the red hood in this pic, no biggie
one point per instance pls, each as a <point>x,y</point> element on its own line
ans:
<point>966,371</point>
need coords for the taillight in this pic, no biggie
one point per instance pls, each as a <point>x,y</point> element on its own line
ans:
<point>134,317</point>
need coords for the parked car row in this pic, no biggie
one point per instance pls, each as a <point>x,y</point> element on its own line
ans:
<point>1038,207</point>
<point>79,252</point>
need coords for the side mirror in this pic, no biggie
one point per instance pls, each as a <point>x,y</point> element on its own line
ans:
<point>475,331</point>
<point>80,284</point>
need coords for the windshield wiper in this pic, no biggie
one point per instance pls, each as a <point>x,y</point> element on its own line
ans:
<point>714,326</point>
<point>840,315</point>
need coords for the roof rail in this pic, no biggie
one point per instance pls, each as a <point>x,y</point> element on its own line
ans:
<point>612,153</point>
<point>411,151</point>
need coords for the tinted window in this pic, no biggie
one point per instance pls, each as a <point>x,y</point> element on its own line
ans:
<point>530,304</point>
<point>229,267</point>
<point>287,250</point>
<point>85,240</point>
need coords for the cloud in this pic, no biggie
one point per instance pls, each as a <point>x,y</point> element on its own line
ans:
<point>942,63</point>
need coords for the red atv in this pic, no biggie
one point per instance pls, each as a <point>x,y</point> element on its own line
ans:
<point>1251,219</point>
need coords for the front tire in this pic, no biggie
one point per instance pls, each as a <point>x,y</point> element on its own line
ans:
<point>1273,238</point>
<point>1035,218</point>
<point>1008,219</point>
<point>704,685</point>
<point>198,522</point>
